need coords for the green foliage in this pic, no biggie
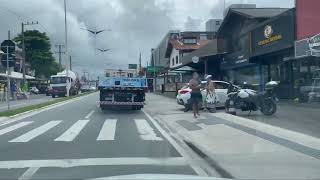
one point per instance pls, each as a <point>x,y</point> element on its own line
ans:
<point>38,53</point>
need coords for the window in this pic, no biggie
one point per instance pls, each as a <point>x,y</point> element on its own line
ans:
<point>203,36</point>
<point>172,62</point>
<point>221,85</point>
<point>177,60</point>
<point>190,41</point>
<point>107,74</point>
<point>217,23</point>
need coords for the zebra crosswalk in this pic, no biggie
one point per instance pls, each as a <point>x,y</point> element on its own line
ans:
<point>107,131</point>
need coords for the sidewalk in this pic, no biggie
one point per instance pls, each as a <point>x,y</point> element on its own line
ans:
<point>240,147</point>
<point>34,99</point>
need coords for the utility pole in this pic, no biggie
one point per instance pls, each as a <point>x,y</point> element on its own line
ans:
<point>140,65</point>
<point>24,48</point>
<point>60,52</point>
<point>66,43</point>
<point>70,63</point>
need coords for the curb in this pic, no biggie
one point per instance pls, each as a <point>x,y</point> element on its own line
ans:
<point>222,172</point>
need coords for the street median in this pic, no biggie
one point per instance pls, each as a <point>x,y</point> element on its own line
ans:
<point>26,109</point>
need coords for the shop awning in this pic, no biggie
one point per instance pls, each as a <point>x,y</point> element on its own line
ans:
<point>16,75</point>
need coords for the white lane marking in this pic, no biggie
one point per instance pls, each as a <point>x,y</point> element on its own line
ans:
<point>64,163</point>
<point>89,114</point>
<point>108,130</point>
<point>14,127</point>
<point>36,132</point>
<point>146,131</point>
<point>73,131</point>
<point>196,168</point>
<point>28,173</point>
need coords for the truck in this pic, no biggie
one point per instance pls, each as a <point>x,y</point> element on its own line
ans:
<point>122,92</point>
<point>58,84</point>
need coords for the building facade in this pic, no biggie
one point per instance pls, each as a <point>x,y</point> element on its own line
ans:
<point>130,73</point>
<point>213,25</point>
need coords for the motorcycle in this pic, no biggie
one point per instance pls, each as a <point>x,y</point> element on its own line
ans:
<point>250,100</point>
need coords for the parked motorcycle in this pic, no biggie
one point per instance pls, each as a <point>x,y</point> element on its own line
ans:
<point>250,100</point>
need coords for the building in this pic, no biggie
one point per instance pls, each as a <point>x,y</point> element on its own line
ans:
<point>272,49</point>
<point>158,54</point>
<point>236,38</point>
<point>213,25</point>
<point>161,56</point>
<point>239,6</point>
<point>131,73</point>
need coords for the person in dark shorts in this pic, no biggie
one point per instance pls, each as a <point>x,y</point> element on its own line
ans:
<point>196,96</point>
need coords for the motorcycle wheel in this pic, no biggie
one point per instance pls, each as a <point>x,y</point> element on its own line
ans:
<point>268,107</point>
<point>227,107</point>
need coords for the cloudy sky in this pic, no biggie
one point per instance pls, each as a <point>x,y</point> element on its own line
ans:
<point>136,25</point>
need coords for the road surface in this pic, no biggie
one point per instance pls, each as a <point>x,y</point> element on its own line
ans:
<point>78,141</point>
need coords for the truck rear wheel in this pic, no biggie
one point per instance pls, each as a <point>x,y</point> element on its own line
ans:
<point>103,107</point>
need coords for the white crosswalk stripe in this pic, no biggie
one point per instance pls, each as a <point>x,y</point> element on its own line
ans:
<point>146,131</point>
<point>108,130</point>
<point>73,131</point>
<point>36,132</point>
<point>14,127</point>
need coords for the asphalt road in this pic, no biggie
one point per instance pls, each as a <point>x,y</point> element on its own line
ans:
<point>78,141</point>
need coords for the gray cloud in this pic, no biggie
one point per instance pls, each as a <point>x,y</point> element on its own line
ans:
<point>137,25</point>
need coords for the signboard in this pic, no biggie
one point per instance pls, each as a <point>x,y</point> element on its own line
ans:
<point>273,35</point>
<point>308,47</point>
<point>235,60</point>
<point>195,59</point>
<point>133,66</point>
<point>8,47</point>
<point>314,43</point>
<point>154,68</point>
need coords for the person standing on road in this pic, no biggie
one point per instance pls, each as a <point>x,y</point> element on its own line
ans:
<point>196,96</point>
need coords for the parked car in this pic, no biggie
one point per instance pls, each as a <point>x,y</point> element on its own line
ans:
<point>93,88</point>
<point>34,90</point>
<point>85,88</point>
<point>184,94</point>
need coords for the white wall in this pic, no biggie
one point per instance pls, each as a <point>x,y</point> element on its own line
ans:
<point>174,54</point>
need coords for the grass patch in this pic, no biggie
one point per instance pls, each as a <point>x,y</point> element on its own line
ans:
<point>37,106</point>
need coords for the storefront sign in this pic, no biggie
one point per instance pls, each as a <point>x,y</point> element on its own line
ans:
<point>241,59</point>
<point>314,43</point>
<point>273,35</point>
<point>195,59</point>
<point>235,60</point>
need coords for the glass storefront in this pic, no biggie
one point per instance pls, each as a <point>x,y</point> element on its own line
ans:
<point>249,75</point>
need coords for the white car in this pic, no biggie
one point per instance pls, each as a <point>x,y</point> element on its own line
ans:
<point>221,89</point>
<point>34,90</point>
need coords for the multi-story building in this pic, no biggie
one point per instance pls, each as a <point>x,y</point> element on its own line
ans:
<point>212,25</point>
<point>121,73</point>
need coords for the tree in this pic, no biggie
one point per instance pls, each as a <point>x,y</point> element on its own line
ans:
<point>38,53</point>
